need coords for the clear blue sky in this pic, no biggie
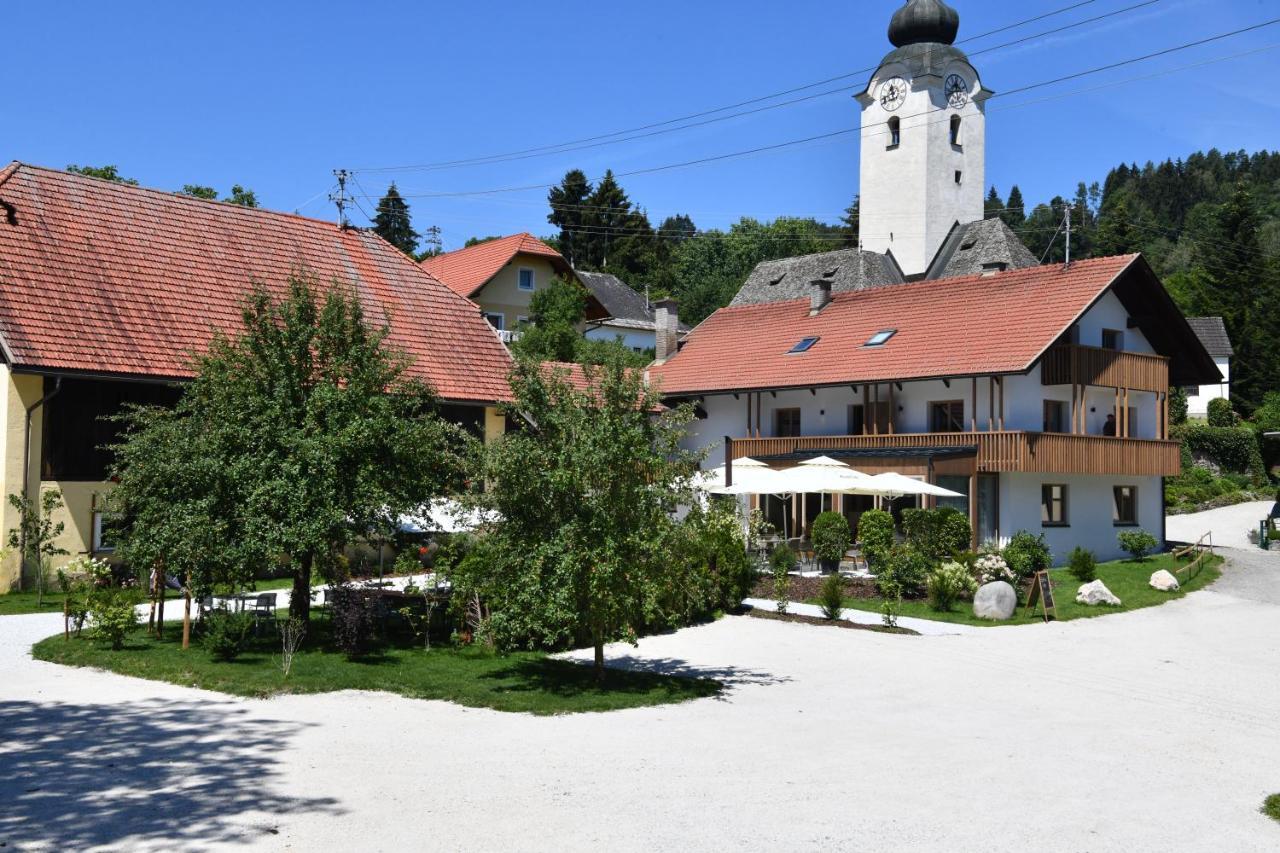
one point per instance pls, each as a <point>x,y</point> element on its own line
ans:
<point>274,95</point>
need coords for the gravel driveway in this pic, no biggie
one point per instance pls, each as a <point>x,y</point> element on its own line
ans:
<point>1230,525</point>
<point>1148,731</point>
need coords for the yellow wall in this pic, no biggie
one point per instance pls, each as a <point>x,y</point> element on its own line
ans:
<point>17,392</point>
<point>79,500</point>
<point>502,295</point>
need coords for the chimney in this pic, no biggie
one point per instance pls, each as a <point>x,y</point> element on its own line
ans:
<point>819,295</point>
<point>666,323</point>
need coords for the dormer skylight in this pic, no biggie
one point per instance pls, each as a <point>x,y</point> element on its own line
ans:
<point>881,338</point>
<point>804,346</point>
<point>776,281</point>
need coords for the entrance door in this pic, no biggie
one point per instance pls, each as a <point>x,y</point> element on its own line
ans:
<point>988,508</point>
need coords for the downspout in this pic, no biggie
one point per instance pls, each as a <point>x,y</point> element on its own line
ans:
<point>26,465</point>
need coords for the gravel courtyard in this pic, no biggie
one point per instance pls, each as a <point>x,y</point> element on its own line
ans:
<point>1155,730</point>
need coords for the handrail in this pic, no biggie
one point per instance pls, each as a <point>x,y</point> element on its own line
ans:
<point>1104,368</point>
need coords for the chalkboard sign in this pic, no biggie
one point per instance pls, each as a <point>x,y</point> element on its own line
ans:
<point>1041,593</point>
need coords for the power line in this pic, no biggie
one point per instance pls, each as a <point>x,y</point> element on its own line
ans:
<point>846,131</point>
<point>608,138</point>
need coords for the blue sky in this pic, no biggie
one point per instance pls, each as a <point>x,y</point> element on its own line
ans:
<point>275,95</point>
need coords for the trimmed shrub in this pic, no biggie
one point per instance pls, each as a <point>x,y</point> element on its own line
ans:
<point>947,584</point>
<point>226,634</point>
<point>1027,554</point>
<point>831,536</point>
<point>1138,543</point>
<point>1221,414</point>
<point>908,570</point>
<point>112,613</point>
<point>1082,564</point>
<point>957,532</point>
<point>875,532</point>
<point>831,597</point>
<point>938,533</point>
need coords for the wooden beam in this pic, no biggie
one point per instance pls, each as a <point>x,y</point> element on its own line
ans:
<point>893,410</point>
<point>991,403</point>
<point>758,413</point>
<point>1002,404</point>
<point>973,414</point>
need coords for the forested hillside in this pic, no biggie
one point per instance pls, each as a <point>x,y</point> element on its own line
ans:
<point>1209,225</point>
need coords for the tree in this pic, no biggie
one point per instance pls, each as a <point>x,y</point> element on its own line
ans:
<point>852,222</point>
<point>568,213</point>
<point>392,222</point>
<point>105,173</point>
<point>993,206</point>
<point>586,496</point>
<point>619,235</point>
<point>304,432</point>
<point>35,537</point>
<point>241,196</point>
<point>198,191</point>
<point>476,241</point>
<point>556,312</point>
<point>1015,212</point>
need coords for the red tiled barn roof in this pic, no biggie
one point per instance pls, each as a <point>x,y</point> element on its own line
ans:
<point>107,278</point>
<point>467,270</point>
<point>972,326</point>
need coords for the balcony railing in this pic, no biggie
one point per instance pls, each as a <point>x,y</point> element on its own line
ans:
<point>1105,368</point>
<point>507,336</point>
<point>1023,452</point>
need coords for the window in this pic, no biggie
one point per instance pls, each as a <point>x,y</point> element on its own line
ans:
<point>895,132</point>
<point>526,278</point>
<point>959,176</point>
<point>955,131</point>
<point>857,420</point>
<point>955,483</point>
<point>947,416</point>
<point>804,346</point>
<point>1053,506</point>
<point>786,423</point>
<point>881,338</point>
<point>1125,510</point>
<point>496,320</point>
<point>103,535</point>
<point>1112,339</point>
<point>522,321</point>
<point>1055,416</point>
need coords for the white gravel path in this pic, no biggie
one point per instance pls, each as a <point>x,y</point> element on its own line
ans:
<point>1230,525</point>
<point>1149,731</point>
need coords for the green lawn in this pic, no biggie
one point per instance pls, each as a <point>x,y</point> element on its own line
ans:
<point>1127,579</point>
<point>523,682</point>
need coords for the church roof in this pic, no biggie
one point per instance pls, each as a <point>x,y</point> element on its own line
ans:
<point>924,22</point>
<point>792,278</point>
<point>980,247</point>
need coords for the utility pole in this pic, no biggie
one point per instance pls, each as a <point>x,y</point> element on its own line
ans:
<point>1068,226</point>
<point>432,240</point>
<point>340,198</point>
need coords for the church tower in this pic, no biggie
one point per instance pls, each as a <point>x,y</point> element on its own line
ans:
<point>923,139</point>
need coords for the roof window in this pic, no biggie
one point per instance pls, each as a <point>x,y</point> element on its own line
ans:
<point>881,338</point>
<point>804,346</point>
<point>968,244</point>
<point>777,281</point>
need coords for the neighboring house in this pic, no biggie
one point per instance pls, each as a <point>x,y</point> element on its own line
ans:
<point>501,276</point>
<point>1213,334</point>
<point>631,317</point>
<point>940,349</point>
<point>106,290</point>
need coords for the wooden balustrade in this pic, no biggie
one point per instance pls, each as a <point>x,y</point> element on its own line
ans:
<point>1027,452</point>
<point>1104,368</point>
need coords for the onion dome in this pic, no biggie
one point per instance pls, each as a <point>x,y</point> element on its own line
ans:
<point>924,22</point>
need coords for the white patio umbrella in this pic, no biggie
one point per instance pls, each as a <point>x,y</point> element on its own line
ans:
<point>750,477</point>
<point>823,475</point>
<point>895,485</point>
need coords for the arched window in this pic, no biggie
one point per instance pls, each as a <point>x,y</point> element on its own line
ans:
<point>955,131</point>
<point>895,132</point>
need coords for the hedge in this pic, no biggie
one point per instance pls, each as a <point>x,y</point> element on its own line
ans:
<point>1233,449</point>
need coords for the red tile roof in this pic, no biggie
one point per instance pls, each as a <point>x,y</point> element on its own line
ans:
<point>978,325</point>
<point>576,376</point>
<point>107,278</point>
<point>467,270</point>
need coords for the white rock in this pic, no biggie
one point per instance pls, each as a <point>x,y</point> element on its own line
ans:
<point>1096,592</point>
<point>1164,581</point>
<point>995,601</point>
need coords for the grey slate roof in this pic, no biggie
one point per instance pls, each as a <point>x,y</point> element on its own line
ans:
<point>627,307</point>
<point>972,248</point>
<point>791,278</point>
<point>1212,332</point>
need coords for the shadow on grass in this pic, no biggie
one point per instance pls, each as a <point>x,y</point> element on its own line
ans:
<point>568,679</point>
<point>177,772</point>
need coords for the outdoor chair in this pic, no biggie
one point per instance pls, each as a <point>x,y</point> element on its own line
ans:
<point>264,611</point>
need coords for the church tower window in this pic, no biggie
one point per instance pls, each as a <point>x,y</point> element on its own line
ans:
<point>955,132</point>
<point>895,132</point>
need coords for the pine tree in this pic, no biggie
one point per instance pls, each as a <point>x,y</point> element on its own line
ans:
<point>392,222</point>
<point>1015,212</point>
<point>569,214</point>
<point>852,223</point>
<point>1116,234</point>
<point>993,205</point>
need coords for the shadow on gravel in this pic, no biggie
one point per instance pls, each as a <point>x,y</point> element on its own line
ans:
<point>173,772</point>
<point>728,676</point>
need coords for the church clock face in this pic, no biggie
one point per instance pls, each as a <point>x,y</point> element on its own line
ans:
<point>893,92</point>
<point>957,91</point>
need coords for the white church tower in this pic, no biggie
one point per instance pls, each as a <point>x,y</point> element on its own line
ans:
<point>923,139</point>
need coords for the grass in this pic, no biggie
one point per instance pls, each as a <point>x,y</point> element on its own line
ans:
<point>1271,807</point>
<point>1126,578</point>
<point>529,682</point>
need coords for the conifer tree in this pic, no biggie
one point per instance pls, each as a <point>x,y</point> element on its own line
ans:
<point>1015,212</point>
<point>392,222</point>
<point>568,213</point>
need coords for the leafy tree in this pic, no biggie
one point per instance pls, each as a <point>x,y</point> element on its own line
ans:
<point>241,196</point>
<point>106,173</point>
<point>392,222</point>
<point>556,313</point>
<point>207,193</point>
<point>305,432</point>
<point>35,537</point>
<point>586,496</point>
<point>476,241</point>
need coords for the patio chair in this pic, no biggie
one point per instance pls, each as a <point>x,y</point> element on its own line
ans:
<point>264,610</point>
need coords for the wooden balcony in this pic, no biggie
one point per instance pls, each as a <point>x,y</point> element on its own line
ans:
<point>1105,368</point>
<point>1021,452</point>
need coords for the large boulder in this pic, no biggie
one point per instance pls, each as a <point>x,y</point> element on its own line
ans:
<point>995,601</point>
<point>1164,581</point>
<point>1096,592</point>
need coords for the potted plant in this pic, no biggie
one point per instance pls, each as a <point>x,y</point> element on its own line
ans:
<point>830,539</point>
